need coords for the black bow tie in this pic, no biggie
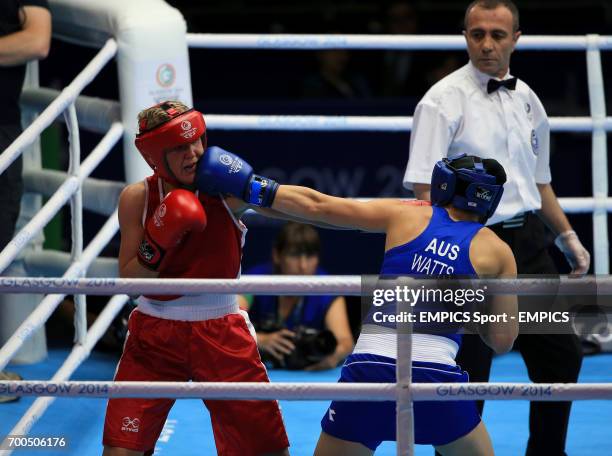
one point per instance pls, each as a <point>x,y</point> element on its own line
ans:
<point>494,84</point>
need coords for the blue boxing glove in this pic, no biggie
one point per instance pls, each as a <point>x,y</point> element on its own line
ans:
<point>220,171</point>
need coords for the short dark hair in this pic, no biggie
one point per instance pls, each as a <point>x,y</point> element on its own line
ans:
<point>492,4</point>
<point>297,238</point>
<point>494,168</point>
<point>491,166</point>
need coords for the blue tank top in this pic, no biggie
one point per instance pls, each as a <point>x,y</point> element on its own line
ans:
<point>310,311</point>
<point>442,249</point>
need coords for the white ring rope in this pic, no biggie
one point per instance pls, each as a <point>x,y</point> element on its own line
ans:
<point>78,354</point>
<point>95,114</point>
<point>314,391</point>
<point>396,42</point>
<point>570,205</point>
<point>55,109</point>
<point>60,197</point>
<point>44,310</point>
<point>350,285</point>
<point>574,205</point>
<point>364,123</point>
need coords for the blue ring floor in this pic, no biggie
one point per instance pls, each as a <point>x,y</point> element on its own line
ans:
<point>188,431</point>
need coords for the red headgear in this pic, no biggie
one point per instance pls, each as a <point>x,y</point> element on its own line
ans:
<point>182,128</point>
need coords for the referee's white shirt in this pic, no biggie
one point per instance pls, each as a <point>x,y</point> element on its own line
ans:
<point>457,115</point>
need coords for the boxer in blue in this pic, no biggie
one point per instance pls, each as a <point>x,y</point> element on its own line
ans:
<point>448,238</point>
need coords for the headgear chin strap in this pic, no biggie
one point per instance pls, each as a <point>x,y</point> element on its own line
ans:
<point>181,129</point>
<point>469,188</point>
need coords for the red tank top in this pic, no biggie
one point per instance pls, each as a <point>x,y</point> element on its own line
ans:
<point>214,253</point>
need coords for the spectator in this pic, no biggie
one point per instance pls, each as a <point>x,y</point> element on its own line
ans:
<point>399,75</point>
<point>25,35</point>
<point>278,318</point>
<point>406,73</point>
<point>335,78</point>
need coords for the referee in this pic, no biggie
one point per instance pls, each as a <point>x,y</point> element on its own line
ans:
<point>482,110</point>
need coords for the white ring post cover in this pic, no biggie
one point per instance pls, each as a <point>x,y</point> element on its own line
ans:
<point>152,60</point>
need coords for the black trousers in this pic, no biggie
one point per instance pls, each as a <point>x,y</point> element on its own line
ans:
<point>11,186</point>
<point>550,358</point>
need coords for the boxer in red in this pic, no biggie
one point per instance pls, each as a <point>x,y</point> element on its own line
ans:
<point>169,230</point>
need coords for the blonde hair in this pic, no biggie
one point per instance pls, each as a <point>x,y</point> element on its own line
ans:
<point>156,115</point>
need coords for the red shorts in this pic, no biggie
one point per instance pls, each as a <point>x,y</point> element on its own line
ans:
<point>217,350</point>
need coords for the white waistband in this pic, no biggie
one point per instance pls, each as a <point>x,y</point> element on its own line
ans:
<point>429,348</point>
<point>190,308</point>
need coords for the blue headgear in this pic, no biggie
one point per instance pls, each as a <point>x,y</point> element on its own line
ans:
<point>465,187</point>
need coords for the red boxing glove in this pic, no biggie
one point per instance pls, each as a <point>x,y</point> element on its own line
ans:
<point>179,213</point>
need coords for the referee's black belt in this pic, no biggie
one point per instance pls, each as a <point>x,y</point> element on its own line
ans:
<point>518,221</point>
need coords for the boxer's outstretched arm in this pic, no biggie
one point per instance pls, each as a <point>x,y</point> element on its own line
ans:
<point>314,206</point>
<point>239,207</point>
<point>268,212</point>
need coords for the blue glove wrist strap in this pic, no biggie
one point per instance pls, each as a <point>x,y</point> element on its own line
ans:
<point>261,191</point>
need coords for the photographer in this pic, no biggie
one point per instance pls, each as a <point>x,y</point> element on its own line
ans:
<point>298,332</point>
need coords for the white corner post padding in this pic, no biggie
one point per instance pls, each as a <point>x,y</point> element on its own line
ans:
<point>152,56</point>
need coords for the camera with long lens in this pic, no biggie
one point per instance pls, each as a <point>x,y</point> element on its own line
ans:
<point>311,346</point>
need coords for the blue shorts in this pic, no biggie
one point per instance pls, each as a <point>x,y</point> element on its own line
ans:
<point>371,423</point>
